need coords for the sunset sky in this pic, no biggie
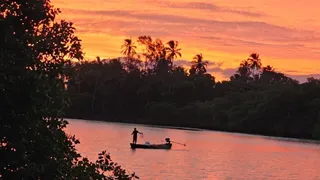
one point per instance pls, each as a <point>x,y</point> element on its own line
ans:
<point>285,33</point>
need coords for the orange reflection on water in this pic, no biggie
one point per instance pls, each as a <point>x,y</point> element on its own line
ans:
<point>208,154</point>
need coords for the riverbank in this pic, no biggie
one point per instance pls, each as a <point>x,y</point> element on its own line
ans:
<point>139,122</point>
<point>144,122</point>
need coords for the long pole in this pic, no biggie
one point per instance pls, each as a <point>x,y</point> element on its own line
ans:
<point>179,143</point>
<point>176,143</point>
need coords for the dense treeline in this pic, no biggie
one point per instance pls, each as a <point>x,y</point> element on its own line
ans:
<point>35,51</point>
<point>147,87</point>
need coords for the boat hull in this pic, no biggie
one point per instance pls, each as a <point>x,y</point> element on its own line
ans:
<point>152,146</point>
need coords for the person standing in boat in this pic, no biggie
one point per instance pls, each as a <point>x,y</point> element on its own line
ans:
<point>135,135</point>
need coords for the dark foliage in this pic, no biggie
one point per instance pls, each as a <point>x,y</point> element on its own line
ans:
<point>257,99</point>
<point>35,54</point>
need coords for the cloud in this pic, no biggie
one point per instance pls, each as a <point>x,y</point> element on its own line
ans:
<point>226,73</point>
<point>207,7</point>
<point>288,71</point>
<point>216,38</point>
<point>209,34</point>
<point>303,78</point>
<point>254,30</point>
<point>156,17</point>
<point>225,41</point>
<point>220,32</point>
<point>183,63</point>
<point>213,7</point>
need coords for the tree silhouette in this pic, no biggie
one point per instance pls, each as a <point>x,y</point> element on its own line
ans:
<point>128,48</point>
<point>198,66</point>
<point>37,54</point>
<point>255,64</point>
<point>244,69</point>
<point>173,50</point>
<point>243,73</point>
<point>256,100</point>
<point>268,68</point>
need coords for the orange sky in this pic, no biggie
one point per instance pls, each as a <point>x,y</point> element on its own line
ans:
<point>285,33</point>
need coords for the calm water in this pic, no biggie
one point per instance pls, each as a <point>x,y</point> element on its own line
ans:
<point>208,154</point>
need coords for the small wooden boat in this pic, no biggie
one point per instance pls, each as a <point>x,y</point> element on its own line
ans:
<point>151,146</point>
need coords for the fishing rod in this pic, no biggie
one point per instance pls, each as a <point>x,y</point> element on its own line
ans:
<point>179,143</point>
<point>176,143</point>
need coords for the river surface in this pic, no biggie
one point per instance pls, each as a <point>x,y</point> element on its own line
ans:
<point>207,155</point>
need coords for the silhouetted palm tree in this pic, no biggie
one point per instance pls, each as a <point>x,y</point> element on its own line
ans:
<point>255,61</point>
<point>245,63</point>
<point>268,68</point>
<point>149,46</point>
<point>255,65</point>
<point>244,69</point>
<point>198,64</point>
<point>128,48</point>
<point>173,50</point>
<point>243,73</point>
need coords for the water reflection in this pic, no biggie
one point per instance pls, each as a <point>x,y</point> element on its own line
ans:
<point>208,154</point>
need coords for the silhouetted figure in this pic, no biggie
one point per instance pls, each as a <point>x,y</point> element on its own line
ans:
<point>135,135</point>
<point>168,141</point>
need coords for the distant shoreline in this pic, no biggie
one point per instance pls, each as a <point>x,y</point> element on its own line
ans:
<point>284,138</point>
<point>144,124</point>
